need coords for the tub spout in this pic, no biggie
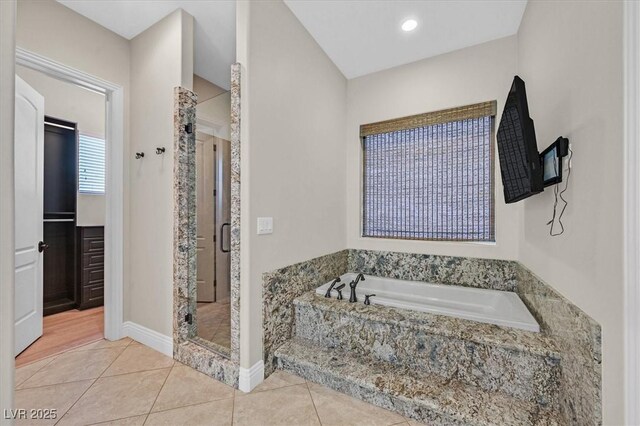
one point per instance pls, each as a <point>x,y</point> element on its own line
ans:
<point>353,298</point>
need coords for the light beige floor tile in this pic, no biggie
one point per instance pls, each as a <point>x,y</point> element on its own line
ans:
<point>58,397</point>
<point>279,379</point>
<point>117,397</point>
<point>138,358</point>
<point>335,408</point>
<point>291,405</point>
<point>102,344</point>
<point>26,371</point>
<point>186,386</point>
<point>210,413</point>
<point>73,367</point>
<point>129,421</point>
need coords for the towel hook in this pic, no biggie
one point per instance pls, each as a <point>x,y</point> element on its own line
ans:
<point>160,150</point>
<point>139,155</point>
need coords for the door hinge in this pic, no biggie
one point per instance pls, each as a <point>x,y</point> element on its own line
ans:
<point>215,192</point>
<point>188,318</point>
<point>215,147</point>
<point>215,283</point>
<point>214,238</point>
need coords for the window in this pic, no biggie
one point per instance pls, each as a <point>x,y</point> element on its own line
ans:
<point>430,176</point>
<point>91,165</point>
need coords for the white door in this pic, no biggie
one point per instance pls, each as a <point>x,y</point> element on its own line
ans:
<point>29,170</point>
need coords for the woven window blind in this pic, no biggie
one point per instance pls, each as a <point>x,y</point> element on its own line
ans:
<point>91,165</point>
<point>430,176</point>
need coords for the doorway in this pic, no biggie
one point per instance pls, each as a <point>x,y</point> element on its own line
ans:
<point>60,306</point>
<point>109,319</point>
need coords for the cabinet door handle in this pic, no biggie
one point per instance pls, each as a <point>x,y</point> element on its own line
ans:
<point>222,238</point>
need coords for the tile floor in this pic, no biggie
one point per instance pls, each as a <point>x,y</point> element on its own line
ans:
<point>214,322</point>
<point>126,383</point>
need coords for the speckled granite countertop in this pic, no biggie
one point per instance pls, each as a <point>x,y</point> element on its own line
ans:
<point>510,338</point>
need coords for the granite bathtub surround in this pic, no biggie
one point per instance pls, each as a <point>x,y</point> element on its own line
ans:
<point>281,287</point>
<point>464,271</point>
<point>278,295</point>
<point>515,362</point>
<point>578,338</point>
<point>185,347</point>
<point>433,368</point>
<point>428,398</point>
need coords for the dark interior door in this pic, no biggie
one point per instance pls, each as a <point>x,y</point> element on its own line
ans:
<point>60,189</point>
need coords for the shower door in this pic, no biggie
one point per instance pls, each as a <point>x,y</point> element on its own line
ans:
<point>223,219</point>
<point>205,212</point>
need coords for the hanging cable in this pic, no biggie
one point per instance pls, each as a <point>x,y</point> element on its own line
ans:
<point>559,194</point>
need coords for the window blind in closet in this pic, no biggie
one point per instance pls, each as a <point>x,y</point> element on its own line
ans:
<point>91,165</point>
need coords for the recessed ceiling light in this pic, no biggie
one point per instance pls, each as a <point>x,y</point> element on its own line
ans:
<point>409,25</point>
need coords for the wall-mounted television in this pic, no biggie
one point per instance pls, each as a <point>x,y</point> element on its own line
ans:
<point>517,148</point>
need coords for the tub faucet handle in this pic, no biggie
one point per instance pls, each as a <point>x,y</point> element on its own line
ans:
<point>339,290</point>
<point>366,298</point>
<point>328,293</point>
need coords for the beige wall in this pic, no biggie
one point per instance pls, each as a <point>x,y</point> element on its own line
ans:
<point>68,102</point>
<point>166,46</point>
<point>7,261</point>
<point>570,56</point>
<point>48,28</point>
<point>475,74</point>
<point>294,133</point>
<point>52,30</point>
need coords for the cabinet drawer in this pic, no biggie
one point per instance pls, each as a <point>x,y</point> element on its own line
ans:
<point>93,295</point>
<point>93,245</point>
<point>92,276</point>
<point>93,259</point>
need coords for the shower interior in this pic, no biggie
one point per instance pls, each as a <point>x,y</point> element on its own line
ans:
<point>213,214</point>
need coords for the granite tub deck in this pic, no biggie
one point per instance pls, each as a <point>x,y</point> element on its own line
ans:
<point>518,363</point>
<point>425,397</point>
<point>555,371</point>
<point>429,367</point>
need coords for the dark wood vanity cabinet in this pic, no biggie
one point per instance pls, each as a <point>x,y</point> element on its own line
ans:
<point>91,267</point>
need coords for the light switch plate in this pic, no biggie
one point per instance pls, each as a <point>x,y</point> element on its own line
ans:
<point>265,225</point>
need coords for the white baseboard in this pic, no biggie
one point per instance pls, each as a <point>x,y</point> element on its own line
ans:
<point>148,337</point>
<point>249,378</point>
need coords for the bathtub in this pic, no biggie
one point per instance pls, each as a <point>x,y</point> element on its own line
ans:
<point>502,308</point>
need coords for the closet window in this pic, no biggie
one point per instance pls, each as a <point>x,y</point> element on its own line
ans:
<point>430,176</point>
<point>91,165</point>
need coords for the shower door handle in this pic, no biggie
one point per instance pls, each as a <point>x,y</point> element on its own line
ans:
<point>222,238</point>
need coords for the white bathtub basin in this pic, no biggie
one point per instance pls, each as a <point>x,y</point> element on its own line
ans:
<point>489,306</point>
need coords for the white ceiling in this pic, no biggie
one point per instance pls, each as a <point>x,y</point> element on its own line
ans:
<point>214,34</point>
<point>362,37</point>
